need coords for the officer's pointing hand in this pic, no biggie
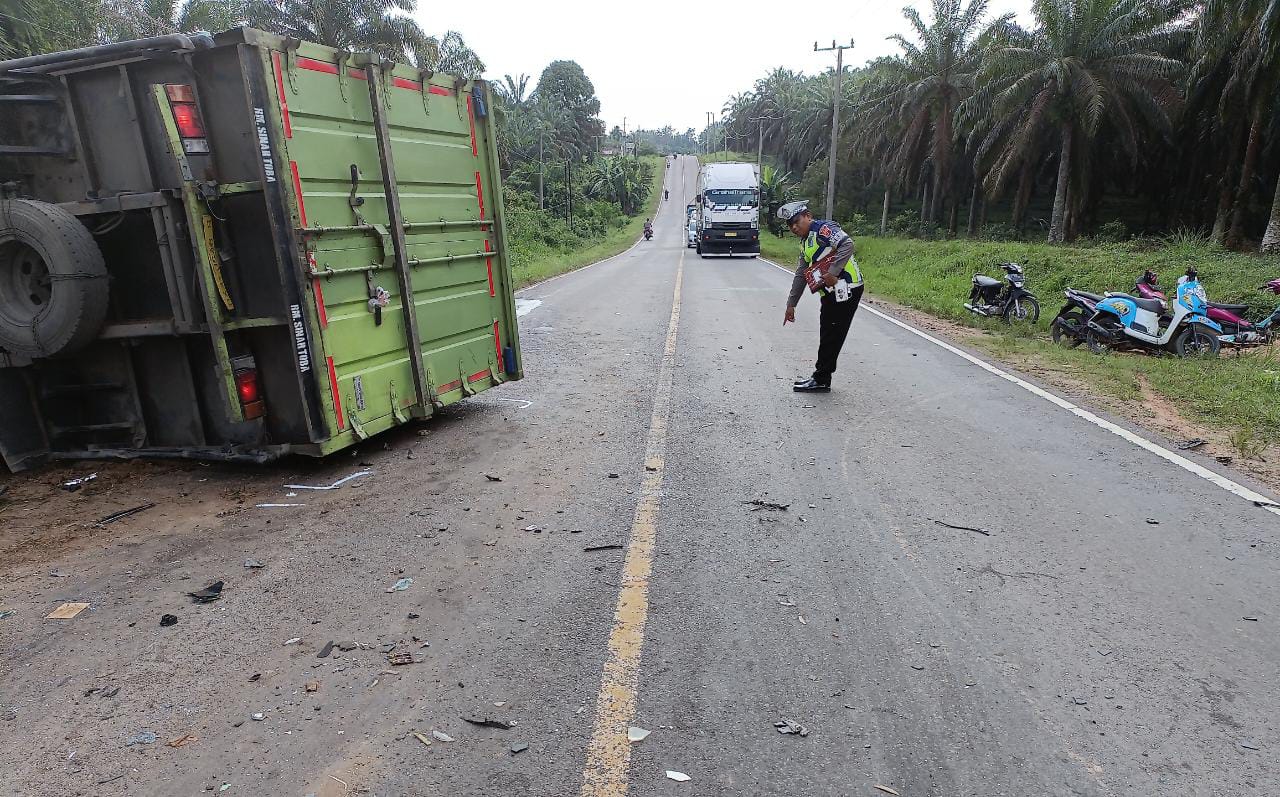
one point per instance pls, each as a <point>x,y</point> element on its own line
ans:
<point>789,316</point>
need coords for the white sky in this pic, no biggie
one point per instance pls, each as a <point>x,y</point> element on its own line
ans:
<point>664,62</point>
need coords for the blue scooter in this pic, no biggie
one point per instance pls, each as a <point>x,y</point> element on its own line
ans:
<point>1125,321</point>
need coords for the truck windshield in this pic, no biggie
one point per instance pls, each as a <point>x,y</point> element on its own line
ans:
<point>732,197</point>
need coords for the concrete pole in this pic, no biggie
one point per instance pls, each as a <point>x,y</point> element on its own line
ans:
<point>835,136</point>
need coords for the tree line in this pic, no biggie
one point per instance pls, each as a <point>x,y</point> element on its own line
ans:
<point>1110,115</point>
<point>554,123</point>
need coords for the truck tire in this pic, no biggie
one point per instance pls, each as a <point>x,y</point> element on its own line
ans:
<point>53,280</point>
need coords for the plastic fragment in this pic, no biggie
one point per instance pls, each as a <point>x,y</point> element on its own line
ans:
<point>679,777</point>
<point>441,736</point>
<point>635,734</point>
<point>401,585</point>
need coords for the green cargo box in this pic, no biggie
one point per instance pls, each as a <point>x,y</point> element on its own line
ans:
<point>209,247</point>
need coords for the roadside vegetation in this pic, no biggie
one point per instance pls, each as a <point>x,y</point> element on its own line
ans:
<point>1237,392</point>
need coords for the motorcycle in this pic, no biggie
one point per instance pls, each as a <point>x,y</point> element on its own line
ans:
<point>648,233</point>
<point>1236,330</point>
<point>1006,299</point>
<point>1121,320</point>
<point>1071,326</point>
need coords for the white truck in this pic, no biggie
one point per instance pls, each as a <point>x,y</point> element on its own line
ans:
<point>728,209</point>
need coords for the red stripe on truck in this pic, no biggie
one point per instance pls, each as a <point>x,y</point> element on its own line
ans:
<point>479,376</point>
<point>319,292</point>
<point>488,265</point>
<point>406,83</point>
<point>497,344</point>
<point>284,103</point>
<point>441,92</point>
<point>455,385</point>
<point>318,66</point>
<point>297,188</point>
<point>337,401</point>
<point>480,195</point>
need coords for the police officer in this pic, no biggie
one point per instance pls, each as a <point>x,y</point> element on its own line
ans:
<point>826,261</point>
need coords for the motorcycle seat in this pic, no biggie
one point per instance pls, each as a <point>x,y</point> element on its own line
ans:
<point>1230,308</point>
<point>985,282</point>
<point>1093,297</point>
<point>1150,305</point>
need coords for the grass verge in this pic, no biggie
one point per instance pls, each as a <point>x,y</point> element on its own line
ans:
<point>547,263</point>
<point>1239,394</point>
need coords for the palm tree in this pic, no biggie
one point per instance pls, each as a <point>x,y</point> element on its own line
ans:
<point>1086,67</point>
<point>378,25</point>
<point>449,54</point>
<point>1239,46</point>
<point>919,91</point>
<point>513,91</point>
<point>621,180</point>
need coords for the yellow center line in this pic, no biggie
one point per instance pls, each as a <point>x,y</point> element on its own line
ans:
<point>609,754</point>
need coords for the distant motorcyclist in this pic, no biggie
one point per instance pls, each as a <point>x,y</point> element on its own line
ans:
<point>666,194</point>
<point>648,229</point>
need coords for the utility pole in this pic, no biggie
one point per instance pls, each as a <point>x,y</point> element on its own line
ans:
<point>760,144</point>
<point>835,121</point>
<point>568,182</point>
<point>542,197</point>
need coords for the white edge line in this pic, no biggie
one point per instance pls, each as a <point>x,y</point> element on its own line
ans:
<point>1138,440</point>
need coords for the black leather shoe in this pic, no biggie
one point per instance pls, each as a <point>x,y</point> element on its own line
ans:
<point>811,386</point>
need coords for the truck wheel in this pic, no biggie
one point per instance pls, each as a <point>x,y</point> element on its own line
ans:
<point>53,281</point>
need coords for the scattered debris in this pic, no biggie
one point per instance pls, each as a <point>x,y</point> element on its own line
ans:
<point>168,620</point>
<point>292,640</point>
<point>347,646</point>
<point>886,790</point>
<point>333,486</point>
<point>75,484</point>
<point>254,678</point>
<point>110,692</point>
<point>1266,505</point>
<point>1224,460</point>
<point>145,737</point>
<point>422,737</point>
<point>7,613</point>
<point>275,506</point>
<point>1250,618</point>
<point>253,564</point>
<point>209,594</point>
<point>493,478</point>
<point>651,468</point>
<point>312,686</point>
<point>534,529</point>
<point>679,777</point>
<point>802,620</point>
<point>66,611</point>
<point>1152,522</point>
<point>1191,445</point>
<point>401,658</point>
<point>259,717</point>
<point>326,650</point>
<point>110,779</point>
<point>1248,744</point>
<point>1079,701</point>
<point>983,532</point>
<point>414,615</point>
<point>182,741</point>
<point>786,726</point>
<point>614,546</point>
<point>122,514</point>
<point>614,476</point>
<point>518,747</point>
<point>635,734</point>
<point>401,585</point>
<point>441,736</point>
<point>486,722</point>
<point>766,505</point>
<point>786,602</point>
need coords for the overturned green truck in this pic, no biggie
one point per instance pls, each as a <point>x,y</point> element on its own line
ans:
<point>239,246</point>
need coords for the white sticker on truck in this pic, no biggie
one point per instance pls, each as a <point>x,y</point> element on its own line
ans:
<point>300,338</point>
<point>264,144</point>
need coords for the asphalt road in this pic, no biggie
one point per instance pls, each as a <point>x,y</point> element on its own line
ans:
<point>1093,642</point>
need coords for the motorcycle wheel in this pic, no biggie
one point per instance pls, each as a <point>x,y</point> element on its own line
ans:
<point>1097,344</point>
<point>1068,329</point>
<point>1024,308</point>
<point>1196,340</point>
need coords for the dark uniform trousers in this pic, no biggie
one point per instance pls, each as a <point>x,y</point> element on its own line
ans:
<point>833,325</point>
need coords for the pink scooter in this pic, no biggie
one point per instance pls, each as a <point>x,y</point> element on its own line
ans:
<point>1236,330</point>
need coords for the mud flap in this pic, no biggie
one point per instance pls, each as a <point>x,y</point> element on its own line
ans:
<point>22,439</point>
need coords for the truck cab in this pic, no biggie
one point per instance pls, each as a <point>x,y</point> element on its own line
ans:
<point>728,214</point>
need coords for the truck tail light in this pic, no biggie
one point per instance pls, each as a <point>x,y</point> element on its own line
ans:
<point>186,115</point>
<point>250,392</point>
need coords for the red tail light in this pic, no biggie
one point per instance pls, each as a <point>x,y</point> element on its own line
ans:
<point>186,115</point>
<point>188,119</point>
<point>250,392</point>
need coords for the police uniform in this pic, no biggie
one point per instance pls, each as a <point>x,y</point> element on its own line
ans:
<point>827,242</point>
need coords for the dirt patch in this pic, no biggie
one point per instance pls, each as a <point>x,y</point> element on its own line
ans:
<point>1153,412</point>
